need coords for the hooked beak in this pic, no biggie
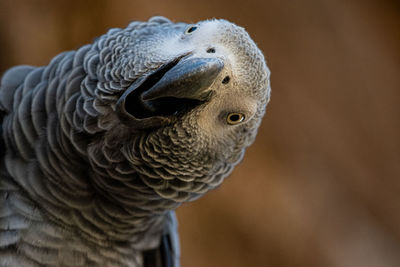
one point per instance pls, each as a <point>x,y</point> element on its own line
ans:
<point>174,88</point>
<point>190,78</point>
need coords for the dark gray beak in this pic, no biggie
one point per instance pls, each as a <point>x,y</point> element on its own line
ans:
<point>190,78</point>
<point>172,89</point>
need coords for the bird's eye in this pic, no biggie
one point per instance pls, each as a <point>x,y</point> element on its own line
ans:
<point>234,118</point>
<point>190,29</point>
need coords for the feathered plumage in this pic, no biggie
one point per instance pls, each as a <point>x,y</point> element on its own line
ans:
<point>100,146</point>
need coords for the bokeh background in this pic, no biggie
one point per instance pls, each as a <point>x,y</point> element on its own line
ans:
<point>321,185</point>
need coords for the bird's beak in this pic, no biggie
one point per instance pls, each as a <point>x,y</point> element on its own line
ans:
<point>173,88</point>
<point>190,79</point>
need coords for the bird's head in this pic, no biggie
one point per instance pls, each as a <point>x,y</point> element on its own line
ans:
<point>198,92</point>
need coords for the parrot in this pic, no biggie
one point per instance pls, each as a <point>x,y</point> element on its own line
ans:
<point>99,147</point>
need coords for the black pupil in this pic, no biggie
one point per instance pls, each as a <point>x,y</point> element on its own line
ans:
<point>211,50</point>
<point>226,80</point>
<point>191,29</point>
<point>234,117</point>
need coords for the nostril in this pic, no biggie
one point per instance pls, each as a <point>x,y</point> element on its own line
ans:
<point>226,80</point>
<point>211,50</point>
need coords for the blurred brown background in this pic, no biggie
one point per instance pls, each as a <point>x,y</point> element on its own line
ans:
<point>321,185</point>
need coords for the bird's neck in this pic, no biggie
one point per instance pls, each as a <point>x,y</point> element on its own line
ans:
<point>104,199</point>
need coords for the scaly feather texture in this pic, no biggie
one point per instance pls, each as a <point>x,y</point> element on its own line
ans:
<point>86,183</point>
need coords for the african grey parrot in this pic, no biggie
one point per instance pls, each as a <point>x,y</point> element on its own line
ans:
<point>99,147</point>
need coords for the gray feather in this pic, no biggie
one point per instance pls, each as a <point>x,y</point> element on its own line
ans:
<point>91,170</point>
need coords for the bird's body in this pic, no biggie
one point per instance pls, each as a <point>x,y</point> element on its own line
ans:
<point>99,147</point>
